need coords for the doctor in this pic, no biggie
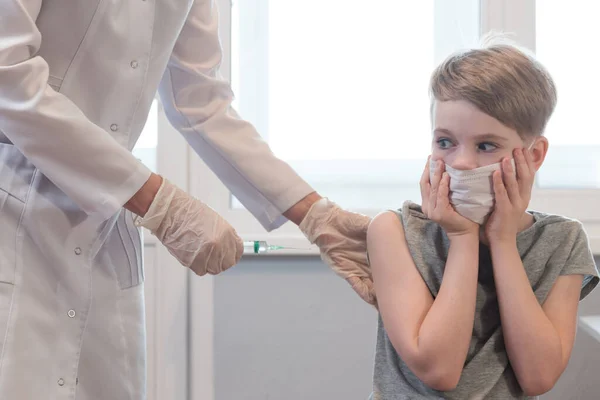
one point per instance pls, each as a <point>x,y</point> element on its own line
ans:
<point>76,83</point>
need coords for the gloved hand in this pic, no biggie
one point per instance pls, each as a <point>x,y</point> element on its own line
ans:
<point>194,233</point>
<point>342,239</point>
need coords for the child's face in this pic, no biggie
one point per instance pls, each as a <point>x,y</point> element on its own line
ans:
<point>466,138</point>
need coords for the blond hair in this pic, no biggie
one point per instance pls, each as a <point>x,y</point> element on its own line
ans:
<point>502,80</point>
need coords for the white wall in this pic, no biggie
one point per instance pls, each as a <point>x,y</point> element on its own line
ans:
<point>290,329</point>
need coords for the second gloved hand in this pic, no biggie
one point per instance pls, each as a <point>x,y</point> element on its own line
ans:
<point>194,233</point>
<point>342,239</point>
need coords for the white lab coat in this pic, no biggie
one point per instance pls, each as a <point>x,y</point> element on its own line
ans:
<point>76,83</point>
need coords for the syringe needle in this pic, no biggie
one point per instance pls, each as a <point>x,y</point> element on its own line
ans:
<point>273,247</point>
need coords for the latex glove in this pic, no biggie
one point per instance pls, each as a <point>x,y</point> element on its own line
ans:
<point>342,240</point>
<point>194,233</point>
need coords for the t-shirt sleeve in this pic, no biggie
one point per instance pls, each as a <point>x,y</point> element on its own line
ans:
<point>581,262</point>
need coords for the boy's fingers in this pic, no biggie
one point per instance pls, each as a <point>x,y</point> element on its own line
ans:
<point>510,181</point>
<point>437,175</point>
<point>521,164</point>
<point>525,170</point>
<point>435,184</point>
<point>499,190</point>
<point>425,186</point>
<point>443,191</point>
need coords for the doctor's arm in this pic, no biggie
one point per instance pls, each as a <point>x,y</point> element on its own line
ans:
<point>197,102</point>
<point>79,157</point>
<point>84,161</point>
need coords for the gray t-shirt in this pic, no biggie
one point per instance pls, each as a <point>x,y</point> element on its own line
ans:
<point>551,247</point>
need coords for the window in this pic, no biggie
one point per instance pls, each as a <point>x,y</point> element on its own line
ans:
<point>339,90</point>
<point>573,160</point>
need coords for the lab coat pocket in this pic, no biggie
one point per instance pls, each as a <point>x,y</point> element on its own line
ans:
<point>131,271</point>
<point>16,174</point>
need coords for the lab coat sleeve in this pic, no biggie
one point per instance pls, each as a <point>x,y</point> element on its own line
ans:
<point>79,157</point>
<point>197,102</point>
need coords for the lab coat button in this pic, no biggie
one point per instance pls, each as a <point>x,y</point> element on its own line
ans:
<point>61,382</point>
<point>134,64</point>
<point>71,313</point>
<point>114,127</point>
<point>78,250</point>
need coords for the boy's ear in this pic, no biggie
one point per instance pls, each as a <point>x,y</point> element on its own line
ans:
<point>539,149</point>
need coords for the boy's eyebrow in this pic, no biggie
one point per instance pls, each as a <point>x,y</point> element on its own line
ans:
<point>483,136</point>
<point>492,136</point>
<point>443,131</point>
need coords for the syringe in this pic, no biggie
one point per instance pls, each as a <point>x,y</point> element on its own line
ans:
<point>261,247</point>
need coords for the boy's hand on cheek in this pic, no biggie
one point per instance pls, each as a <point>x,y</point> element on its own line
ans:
<point>435,195</point>
<point>512,190</point>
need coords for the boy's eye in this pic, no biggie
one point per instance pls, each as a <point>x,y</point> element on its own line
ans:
<point>444,143</point>
<point>486,146</point>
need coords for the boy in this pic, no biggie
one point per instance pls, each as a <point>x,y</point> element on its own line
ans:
<point>478,296</point>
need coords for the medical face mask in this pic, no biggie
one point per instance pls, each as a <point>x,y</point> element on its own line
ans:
<point>471,191</point>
